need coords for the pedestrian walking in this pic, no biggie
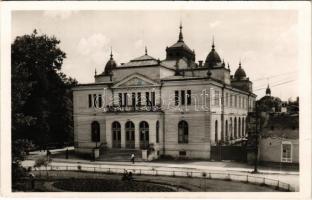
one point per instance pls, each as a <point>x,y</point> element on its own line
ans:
<point>132,158</point>
<point>32,178</point>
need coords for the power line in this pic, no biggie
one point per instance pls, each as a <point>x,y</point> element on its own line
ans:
<point>277,75</point>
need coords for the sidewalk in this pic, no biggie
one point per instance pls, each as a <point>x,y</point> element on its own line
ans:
<point>287,176</point>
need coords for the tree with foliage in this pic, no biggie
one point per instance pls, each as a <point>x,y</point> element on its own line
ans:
<point>41,93</point>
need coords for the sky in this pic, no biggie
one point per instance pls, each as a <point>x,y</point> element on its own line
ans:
<point>265,41</point>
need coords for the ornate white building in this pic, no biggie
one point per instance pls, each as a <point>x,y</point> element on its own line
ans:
<point>177,106</point>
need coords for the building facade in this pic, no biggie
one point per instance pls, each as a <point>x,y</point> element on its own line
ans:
<point>177,106</point>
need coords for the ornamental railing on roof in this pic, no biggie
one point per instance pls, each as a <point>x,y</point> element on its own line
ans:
<point>131,108</point>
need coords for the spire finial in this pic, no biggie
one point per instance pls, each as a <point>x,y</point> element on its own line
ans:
<point>95,72</point>
<point>180,35</point>
<point>111,54</point>
<point>268,90</point>
<point>145,50</point>
<point>240,63</point>
<point>228,65</point>
<point>213,45</point>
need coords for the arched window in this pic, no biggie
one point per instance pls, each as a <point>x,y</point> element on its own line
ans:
<point>243,128</point>
<point>116,134</point>
<point>183,132</point>
<point>216,131</point>
<point>239,127</point>
<point>226,130</point>
<point>157,132</point>
<point>235,128</point>
<point>129,129</point>
<point>144,134</point>
<point>95,131</point>
<point>231,128</point>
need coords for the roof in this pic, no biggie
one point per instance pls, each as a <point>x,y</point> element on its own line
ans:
<point>212,58</point>
<point>144,60</point>
<point>280,133</point>
<point>181,44</point>
<point>240,73</point>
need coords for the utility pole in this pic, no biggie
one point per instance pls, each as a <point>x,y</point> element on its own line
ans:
<point>256,139</point>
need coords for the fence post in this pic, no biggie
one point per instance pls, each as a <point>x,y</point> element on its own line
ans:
<point>94,169</point>
<point>140,172</point>
<point>263,181</point>
<point>289,187</point>
<point>109,170</point>
<point>247,179</point>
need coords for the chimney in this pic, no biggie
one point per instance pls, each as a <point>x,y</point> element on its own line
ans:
<point>200,63</point>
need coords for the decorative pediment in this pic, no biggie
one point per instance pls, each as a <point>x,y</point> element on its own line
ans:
<point>135,80</point>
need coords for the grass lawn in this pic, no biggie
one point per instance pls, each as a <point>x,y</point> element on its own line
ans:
<point>75,181</point>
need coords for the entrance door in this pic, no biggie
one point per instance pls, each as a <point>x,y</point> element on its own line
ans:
<point>116,131</point>
<point>130,135</point>
<point>144,135</point>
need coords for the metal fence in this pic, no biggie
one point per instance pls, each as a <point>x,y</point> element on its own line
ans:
<point>176,173</point>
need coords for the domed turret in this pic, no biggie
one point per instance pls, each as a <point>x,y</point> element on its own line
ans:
<point>213,58</point>
<point>180,50</point>
<point>110,65</point>
<point>240,73</point>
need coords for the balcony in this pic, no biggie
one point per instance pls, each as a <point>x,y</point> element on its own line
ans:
<point>142,108</point>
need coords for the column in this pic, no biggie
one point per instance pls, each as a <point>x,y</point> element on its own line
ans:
<point>123,134</point>
<point>137,135</point>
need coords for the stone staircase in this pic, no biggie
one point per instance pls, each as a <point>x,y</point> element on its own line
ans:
<point>120,155</point>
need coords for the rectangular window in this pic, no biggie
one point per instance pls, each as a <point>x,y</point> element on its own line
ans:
<point>176,97</point>
<point>182,97</point>
<point>139,98</point>
<point>133,99</point>
<point>153,99</point>
<point>182,153</point>
<point>125,99</point>
<point>235,101</point>
<point>231,100</point>
<point>226,99</point>
<point>120,99</point>
<point>90,100</point>
<point>100,101</point>
<point>216,98</point>
<point>94,100</point>
<point>147,98</point>
<point>189,97</point>
<point>286,152</point>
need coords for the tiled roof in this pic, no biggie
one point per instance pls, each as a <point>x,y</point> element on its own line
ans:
<point>180,44</point>
<point>144,60</point>
<point>139,63</point>
<point>144,57</point>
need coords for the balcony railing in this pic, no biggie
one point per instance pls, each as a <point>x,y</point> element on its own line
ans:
<point>142,108</point>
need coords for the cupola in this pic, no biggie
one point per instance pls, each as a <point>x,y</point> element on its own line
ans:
<point>240,73</point>
<point>110,65</point>
<point>213,59</point>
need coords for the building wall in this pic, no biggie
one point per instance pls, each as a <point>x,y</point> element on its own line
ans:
<point>271,149</point>
<point>82,128</point>
<point>198,145</point>
<point>151,72</point>
<point>200,115</point>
